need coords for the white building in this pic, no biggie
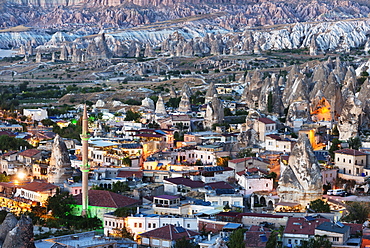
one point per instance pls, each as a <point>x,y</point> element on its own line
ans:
<point>36,114</point>
<point>235,200</point>
<point>252,182</point>
<point>276,143</point>
<point>36,191</point>
<point>141,223</point>
<point>263,127</point>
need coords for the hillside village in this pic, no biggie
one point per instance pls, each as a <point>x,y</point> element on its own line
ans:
<point>190,172</point>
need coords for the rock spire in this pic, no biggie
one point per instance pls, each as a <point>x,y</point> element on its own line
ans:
<point>301,181</point>
<point>60,165</point>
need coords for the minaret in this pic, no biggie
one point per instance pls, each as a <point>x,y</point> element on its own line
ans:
<point>85,168</point>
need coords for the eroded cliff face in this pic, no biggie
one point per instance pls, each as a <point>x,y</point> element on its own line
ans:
<point>121,13</point>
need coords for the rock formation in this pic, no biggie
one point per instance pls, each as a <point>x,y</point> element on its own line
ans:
<point>184,105</point>
<point>21,236</point>
<point>148,104</point>
<point>173,93</point>
<point>349,122</point>
<point>186,89</point>
<point>64,53</point>
<point>60,165</point>
<point>301,181</point>
<point>211,92</point>
<point>214,112</point>
<point>8,224</point>
<point>160,108</point>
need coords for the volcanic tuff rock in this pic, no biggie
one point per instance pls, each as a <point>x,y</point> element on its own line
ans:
<point>160,108</point>
<point>214,112</point>
<point>301,181</point>
<point>349,120</point>
<point>8,224</point>
<point>186,89</point>
<point>60,165</point>
<point>237,13</point>
<point>211,92</point>
<point>184,105</point>
<point>148,103</point>
<point>20,236</point>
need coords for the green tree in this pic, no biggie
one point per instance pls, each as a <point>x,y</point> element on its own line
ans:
<point>236,239</point>
<point>126,161</point>
<point>11,143</point>
<point>120,187</point>
<point>132,116</point>
<point>124,211</point>
<point>274,240</point>
<point>245,153</point>
<point>72,131</point>
<point>48,122</point>
<point>354,143</point>
<point>316,242</point>
<point>60,204</point>
<point>357,212</point>
<point>319,206</point>
<point>335,145</point>
<point>227,112</point>
<point>185,243</point>
<point>173,102</point>
<point>269,103</point>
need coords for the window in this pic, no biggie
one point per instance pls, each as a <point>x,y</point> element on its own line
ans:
<point>140,225</point>
<point>267,185</point>
<point>154,225</point>
<point>135,224</point>
<point>338,159</point>
<point>149,225</point>
<point>344,160</point>
<point>289,241</point>
<point>188,225</point>
<point>335,239</point>
<point>350,161</point>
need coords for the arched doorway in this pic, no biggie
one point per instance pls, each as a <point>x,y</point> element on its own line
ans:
<point>270,205</point>
<point>263,201</point>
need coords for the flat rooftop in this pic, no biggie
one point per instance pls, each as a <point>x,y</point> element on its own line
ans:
<point>87,239</point>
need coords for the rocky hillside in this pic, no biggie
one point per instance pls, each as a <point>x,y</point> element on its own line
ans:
<point>128,13</point>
